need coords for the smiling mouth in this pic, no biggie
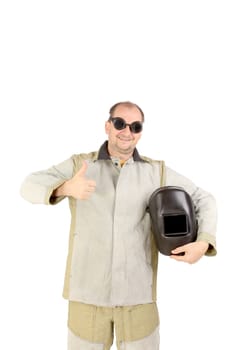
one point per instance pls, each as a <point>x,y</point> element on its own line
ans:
<point>124,140</point>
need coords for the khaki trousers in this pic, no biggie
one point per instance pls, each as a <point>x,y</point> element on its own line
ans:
<point>92,327</point>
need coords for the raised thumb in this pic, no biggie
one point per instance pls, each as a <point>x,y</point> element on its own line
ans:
<point>83,169</point>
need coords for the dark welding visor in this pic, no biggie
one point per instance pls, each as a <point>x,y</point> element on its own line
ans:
<point>173,218</point>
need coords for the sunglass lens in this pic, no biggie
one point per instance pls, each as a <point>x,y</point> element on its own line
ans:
<point>119,123</point>
<point>136,127</point>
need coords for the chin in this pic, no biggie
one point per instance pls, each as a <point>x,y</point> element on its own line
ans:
<point>126,150</point>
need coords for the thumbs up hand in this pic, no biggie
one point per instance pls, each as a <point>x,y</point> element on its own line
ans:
<point>78,186</point>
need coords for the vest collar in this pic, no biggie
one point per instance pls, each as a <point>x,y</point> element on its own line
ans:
<point>104,155</point>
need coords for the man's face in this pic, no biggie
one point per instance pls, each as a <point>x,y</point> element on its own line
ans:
<point>123,142</point>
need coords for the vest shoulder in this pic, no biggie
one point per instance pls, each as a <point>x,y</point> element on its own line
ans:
<point>87,156</point>
<point>151,160</point>
<point>79,158</point>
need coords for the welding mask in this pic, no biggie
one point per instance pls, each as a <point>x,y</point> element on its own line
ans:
<point>173,218</point>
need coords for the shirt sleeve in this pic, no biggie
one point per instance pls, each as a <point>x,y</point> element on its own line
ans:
<point>37,188</point>
<point>205,208</point>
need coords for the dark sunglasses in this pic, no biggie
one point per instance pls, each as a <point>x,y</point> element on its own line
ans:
<point>120,124</point>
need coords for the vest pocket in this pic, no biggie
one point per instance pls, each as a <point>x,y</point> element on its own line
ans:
<point>140,321</point>
<point>81,319</point>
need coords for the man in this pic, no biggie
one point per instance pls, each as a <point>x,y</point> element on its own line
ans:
<point>110,279</point>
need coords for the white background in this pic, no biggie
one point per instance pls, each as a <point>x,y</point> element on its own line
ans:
<point>62,65</point>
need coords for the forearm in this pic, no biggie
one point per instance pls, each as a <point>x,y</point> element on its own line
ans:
<point>39,187</point>
<point>37,193</point>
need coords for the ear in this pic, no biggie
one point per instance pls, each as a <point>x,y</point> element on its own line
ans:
<point>107,127</point>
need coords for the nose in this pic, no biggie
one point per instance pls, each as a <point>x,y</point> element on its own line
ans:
<point>127,130</point>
